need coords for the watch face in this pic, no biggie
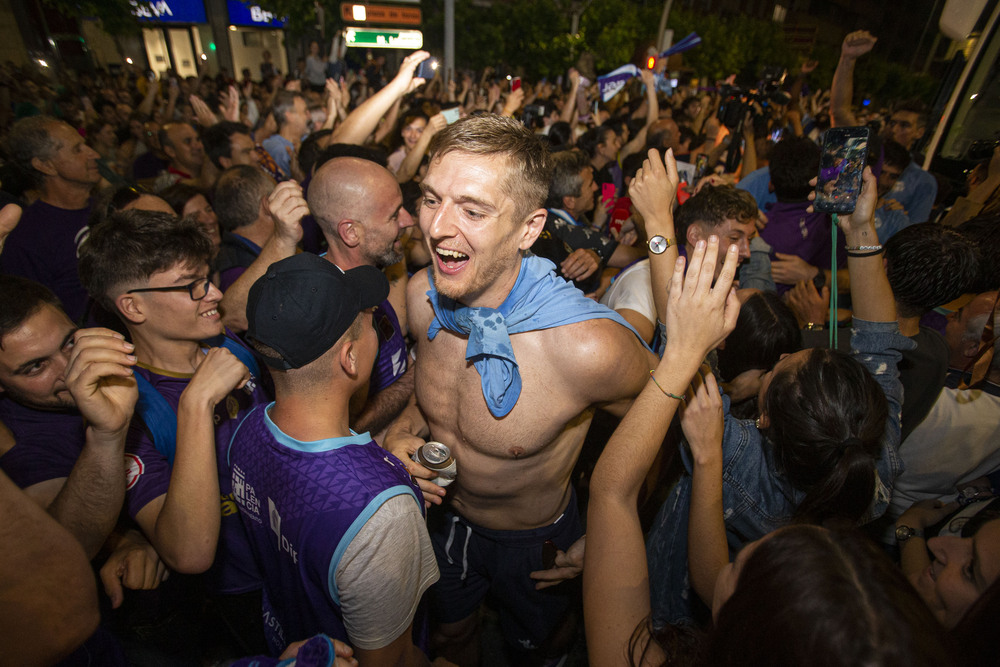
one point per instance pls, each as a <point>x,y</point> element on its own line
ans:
<point>657,244</point>
<point>904,532</point>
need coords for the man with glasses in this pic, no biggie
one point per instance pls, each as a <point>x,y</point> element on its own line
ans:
<point>152,269</point>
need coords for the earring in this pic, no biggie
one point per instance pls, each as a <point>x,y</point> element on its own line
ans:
<point>756,422</point>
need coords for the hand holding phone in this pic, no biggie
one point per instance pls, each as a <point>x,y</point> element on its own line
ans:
<point>426,69</point>
<point>842,162</point>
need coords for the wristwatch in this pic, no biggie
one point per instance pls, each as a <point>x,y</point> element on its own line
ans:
<point>904,533</point>
<point>658,244</point>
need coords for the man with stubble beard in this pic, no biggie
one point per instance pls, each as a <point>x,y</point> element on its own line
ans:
<point>512,362</point>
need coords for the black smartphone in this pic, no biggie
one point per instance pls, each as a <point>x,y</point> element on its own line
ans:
<point>426,69</point>
<point>841,163</point>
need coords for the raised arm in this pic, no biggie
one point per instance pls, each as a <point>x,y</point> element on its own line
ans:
<point>287,206</point>
<point>615,578</point>
<point>408,168</point>
<point>652,114</point>
<point>362,121</point>
<point>99,377</point>
<point>871,296</point>
<point>855,45</point>
<point>570,106</point>
<point>652,193</point>
<point>183,524</point>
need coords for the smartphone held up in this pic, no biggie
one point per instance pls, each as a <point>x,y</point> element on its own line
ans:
<point>842,162</point>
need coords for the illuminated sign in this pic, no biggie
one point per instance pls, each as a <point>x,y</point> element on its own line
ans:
<point>380,14</point>
<point>253,15</point>
<point>170,11</point>
<point>384,39</point>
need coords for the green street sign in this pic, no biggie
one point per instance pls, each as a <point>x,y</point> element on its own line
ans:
<point>380,38</point>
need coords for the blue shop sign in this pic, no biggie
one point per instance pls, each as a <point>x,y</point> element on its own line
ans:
<point>170,11</point>
<point>253,15</point>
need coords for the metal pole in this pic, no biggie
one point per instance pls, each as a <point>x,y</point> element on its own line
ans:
<point>663,26</point>
<point>449,38</point>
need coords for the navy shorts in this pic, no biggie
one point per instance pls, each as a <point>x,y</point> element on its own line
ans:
<point>476,562</point>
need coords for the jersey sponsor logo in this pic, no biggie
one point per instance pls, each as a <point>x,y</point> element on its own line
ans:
<point>134,468</point>
<point>283,542</point>
<point>245,495</point>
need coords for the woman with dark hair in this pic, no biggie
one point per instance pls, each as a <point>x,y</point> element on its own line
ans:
<point>189,201</point>
<point>410,129</point>
<point>824,446</point>
<point>765,332</point>
<point>806,595</point>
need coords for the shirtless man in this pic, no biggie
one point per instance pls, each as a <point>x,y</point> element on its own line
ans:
<point>514,428</point>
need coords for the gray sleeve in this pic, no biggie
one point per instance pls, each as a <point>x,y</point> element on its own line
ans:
<point>756,272</point>
<point>384,572</point>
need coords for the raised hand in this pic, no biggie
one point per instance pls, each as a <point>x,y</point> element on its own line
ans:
<point>99,376</point>
<point>700,315</point>
<point>701,418</point>
<point>202,113</point>
<point>655,186</point>
<point>287,205</point>
<point>219,374</point>
<point>857,44</point>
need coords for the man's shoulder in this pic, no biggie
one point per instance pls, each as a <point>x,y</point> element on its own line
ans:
<point>598,344</point>
<point>275,141</point>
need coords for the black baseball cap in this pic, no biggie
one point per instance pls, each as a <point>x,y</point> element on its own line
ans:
<point>303,305</point>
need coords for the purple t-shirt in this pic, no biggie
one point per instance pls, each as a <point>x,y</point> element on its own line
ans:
<point>148,476</point>
<point>793,231</point>
<point>391,361</point>
<point>47,444</point>
<point>303,503</point>
<point>43,248</point>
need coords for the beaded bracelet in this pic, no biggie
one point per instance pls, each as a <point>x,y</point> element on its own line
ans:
<point>679,398</point>
<point>863,247</point>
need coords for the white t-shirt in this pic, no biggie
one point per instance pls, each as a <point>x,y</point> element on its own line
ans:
<point>633,290</point>
<point>384,573</point>
<point>958,441</point>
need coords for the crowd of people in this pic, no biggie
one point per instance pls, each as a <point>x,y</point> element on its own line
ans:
<point>234,315</point>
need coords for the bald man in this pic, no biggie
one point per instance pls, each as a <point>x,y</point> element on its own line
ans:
<point>359,208</point>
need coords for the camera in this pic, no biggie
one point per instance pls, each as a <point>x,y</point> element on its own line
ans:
<point>736,101</point>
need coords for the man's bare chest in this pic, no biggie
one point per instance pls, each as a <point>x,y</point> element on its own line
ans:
<point>450,393</point>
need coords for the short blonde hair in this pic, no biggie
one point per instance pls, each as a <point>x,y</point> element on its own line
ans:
<point>525,158</point>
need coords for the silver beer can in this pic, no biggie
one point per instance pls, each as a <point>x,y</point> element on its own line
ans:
<point>436,457</point>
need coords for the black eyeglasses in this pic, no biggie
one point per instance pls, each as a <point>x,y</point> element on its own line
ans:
<point>197,289</point>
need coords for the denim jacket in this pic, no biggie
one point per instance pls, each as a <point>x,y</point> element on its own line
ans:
<point>756,497</point>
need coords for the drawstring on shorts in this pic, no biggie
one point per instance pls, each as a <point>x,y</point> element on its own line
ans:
<point>465,548</point>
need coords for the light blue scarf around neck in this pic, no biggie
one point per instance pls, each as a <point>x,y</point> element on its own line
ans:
<point>539,300</point>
